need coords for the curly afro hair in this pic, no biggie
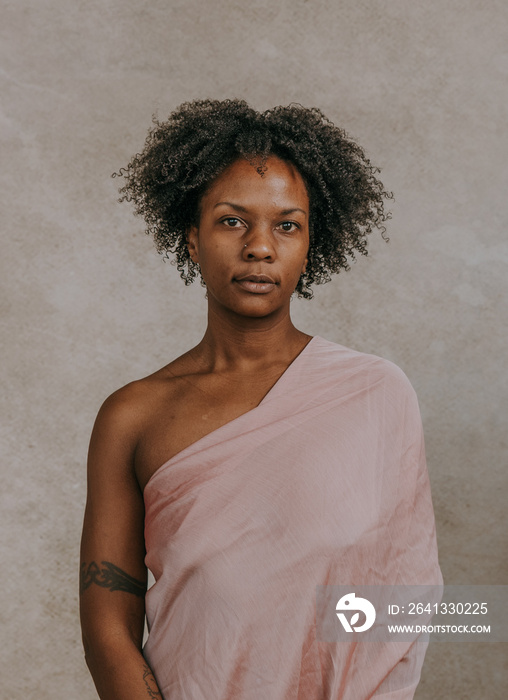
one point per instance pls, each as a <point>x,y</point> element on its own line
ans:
<point>183,155</point>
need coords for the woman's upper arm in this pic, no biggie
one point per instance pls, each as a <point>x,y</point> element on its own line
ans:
<point>113,574</point>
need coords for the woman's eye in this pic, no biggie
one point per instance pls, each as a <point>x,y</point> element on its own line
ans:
<point>231,221</point>
<point>288,226</point>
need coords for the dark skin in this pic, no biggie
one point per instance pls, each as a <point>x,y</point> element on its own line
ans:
<point>251,244</point>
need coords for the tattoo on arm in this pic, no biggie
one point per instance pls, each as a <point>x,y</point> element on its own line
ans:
<point>151,683</point>
<point>110,576</point>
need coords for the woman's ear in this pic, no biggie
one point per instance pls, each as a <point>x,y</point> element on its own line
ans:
<point>193,243</point>
<point>304,266</point>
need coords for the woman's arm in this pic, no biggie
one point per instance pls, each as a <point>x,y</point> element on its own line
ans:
<point>113,576</point>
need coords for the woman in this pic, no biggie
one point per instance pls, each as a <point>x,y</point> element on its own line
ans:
<point>288,462</point>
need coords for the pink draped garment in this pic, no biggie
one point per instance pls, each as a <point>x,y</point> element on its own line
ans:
<point>323,483</point>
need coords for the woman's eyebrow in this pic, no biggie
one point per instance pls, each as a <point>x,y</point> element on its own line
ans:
<point>238,207</point>
<point>285,212</point>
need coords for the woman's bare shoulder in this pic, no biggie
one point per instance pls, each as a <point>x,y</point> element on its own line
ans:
<point>135,401</point>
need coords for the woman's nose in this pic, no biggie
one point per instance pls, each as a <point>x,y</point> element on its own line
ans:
<point>259,245</point>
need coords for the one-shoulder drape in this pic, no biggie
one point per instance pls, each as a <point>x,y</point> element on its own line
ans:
<point>324,482</point>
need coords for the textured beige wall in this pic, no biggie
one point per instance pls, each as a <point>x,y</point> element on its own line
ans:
<point>88,305</point>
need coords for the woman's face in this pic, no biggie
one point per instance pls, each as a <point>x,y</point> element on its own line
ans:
<point>253,237</point>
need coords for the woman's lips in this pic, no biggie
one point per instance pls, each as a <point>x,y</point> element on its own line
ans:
<point>257,284</point>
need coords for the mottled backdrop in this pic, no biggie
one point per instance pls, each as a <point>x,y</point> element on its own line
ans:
<point>88,305</point>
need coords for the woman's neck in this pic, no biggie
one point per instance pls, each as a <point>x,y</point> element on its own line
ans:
<point>244,344</point>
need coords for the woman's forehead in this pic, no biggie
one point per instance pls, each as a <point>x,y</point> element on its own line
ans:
<point>277,181</point>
